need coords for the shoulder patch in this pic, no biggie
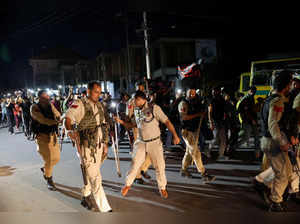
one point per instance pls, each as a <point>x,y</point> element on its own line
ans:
<point>278,109</point>
<point>74,106</point>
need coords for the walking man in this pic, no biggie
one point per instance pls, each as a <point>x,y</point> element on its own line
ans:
<point>45,122</point>
<point>274,143</point>
<point>92,122</point>
<point>190,117</point>
<point>147,117</point>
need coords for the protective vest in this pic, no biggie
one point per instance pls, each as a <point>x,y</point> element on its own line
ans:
<point>144,115</point>
<point>191,125</point>
<point>88,127</point>
<point>265,115</point>
<point>42,128</point>
<point>290,118</point>
<point>147,123</point>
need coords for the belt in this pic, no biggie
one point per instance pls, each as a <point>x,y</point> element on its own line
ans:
<point>152,139</point>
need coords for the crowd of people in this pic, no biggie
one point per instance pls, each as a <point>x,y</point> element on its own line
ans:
<point>15,108</point>
<point>159,116</point>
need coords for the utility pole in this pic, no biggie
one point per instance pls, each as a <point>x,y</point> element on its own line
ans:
<point>145,28</point>
<point>128,55</point>
<point>104,72</point>
<point>98,68</point>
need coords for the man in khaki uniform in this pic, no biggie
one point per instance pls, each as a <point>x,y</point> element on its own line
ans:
<point>190,117</point>
<point>45,124</point>
<point>93,131</point>
<point>130,115</point>
<point>274,142</point>
<point>265,178</point>
<point>147,117</point>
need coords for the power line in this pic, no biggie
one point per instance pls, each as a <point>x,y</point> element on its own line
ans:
<point>38,22</point>
<point>49,20</point>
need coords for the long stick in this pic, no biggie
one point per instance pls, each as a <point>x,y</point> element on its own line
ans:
<point>116,147</point>
<point>116,157</point>
<point>198,130</point>
<point>78,153</point>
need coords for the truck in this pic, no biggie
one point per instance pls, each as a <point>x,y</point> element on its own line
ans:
<point>261,72</point>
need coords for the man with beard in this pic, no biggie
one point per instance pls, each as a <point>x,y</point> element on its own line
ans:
<point>45,120</point>
<point>190,116</point>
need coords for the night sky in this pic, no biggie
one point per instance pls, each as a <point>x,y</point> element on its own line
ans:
<point>247,31</point>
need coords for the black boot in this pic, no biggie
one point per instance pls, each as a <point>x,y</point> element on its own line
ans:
<point>208,178</point>
<point>43,171</point>
<point>87,202</point>
<point>262,190</point>
<point>277,207</point>
<point>185,173</point>
<point>139,181</point>
<point>50,184</point>
<point>145,175</point>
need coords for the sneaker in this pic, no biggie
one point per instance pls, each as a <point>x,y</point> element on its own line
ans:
<point>163,193</point>
<point>208,178</point>
<point>185,173</point>
<point>125,190</point>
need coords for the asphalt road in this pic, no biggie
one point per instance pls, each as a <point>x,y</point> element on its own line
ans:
<point>23,189</point>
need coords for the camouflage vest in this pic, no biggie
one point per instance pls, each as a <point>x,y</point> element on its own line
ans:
<point>88,127</point>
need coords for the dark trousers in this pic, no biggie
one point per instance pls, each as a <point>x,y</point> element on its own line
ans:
<point>27,125</point>
<point>11,123</point>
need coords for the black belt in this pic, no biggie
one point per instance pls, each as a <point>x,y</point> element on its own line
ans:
<point>152,139</point>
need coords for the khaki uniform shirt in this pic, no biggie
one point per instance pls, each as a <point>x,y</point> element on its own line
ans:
<point>147,126</point>
<point>276,110</point>
<point>76,112</point>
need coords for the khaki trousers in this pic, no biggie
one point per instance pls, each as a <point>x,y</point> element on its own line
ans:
<point>147,162</point>
<point>282,168</point>
<point>48,147</point>
<point>192,152</point>
<point>154,150</point>
<point>145,166</point>
<point>265,163</point>
<point>220,138</point>
<point>94,179</point>
<point>267,177</point>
